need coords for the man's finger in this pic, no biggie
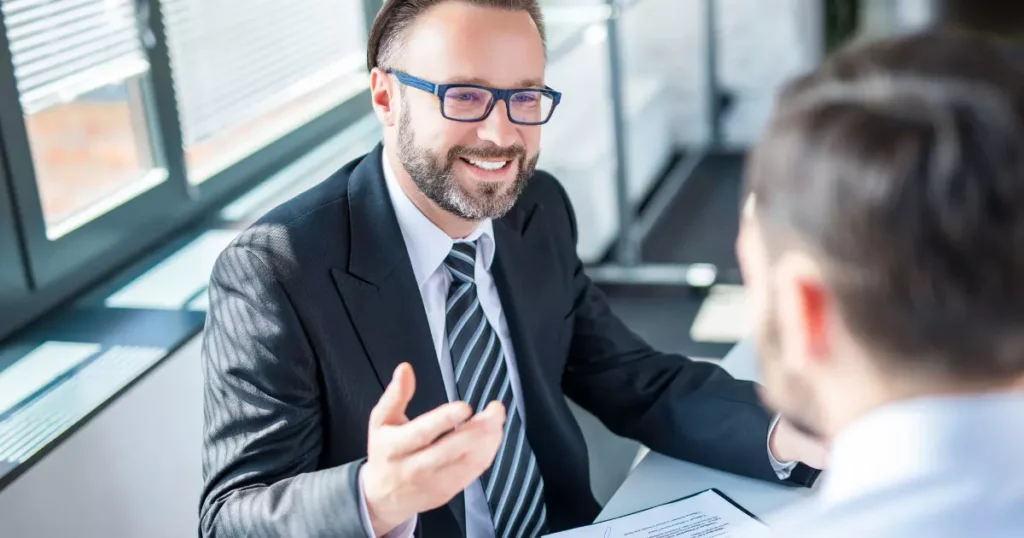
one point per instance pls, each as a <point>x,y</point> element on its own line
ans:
<point>425,429</point>
<point>472,463</point>
<point>482,433</point>
<point>391,407</point>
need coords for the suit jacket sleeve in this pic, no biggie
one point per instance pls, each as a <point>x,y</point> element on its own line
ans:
<point>262,435</point>
<point>686,409</point>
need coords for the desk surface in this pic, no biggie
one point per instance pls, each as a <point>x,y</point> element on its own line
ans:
<point>659,479</point>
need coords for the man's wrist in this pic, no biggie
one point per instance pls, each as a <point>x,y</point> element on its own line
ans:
<point>375,524</point>
<point>774,451</point>
<point>783,469</point>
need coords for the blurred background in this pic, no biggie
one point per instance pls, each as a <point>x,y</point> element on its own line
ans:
<point>137,137</point>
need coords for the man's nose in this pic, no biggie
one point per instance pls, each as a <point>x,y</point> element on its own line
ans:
<point>497,129</point>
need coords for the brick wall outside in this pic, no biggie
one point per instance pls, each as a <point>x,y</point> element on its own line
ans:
<point>82,151</point>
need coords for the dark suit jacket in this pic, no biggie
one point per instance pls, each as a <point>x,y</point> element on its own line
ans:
<point>313,307</point>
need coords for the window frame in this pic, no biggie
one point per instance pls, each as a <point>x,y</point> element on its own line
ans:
<point>55,271</point>
<point>50,261</point>
<point>15,286</point>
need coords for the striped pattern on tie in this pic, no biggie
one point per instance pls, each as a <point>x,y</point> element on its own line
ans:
<point>513,486</point>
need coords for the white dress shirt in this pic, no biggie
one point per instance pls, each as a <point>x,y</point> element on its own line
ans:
<point>939,467</point>
<point>428,246</point>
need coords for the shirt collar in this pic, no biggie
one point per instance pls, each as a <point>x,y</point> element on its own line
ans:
<point>926,437</point>
<point>427,244</point>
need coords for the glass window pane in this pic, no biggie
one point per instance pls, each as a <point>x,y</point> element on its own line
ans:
<point>90,155</point>
<point>80,70</point>
<point>244,77</point>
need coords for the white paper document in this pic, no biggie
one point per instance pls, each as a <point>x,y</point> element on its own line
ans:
<point>705,515</point>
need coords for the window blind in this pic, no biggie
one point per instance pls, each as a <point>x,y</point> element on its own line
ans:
<point>62,49</point>
<point>234,61</point>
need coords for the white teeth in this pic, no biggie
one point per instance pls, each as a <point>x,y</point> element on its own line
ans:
<point>488,165</point>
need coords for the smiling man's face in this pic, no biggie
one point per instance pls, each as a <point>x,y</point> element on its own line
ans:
<point>474,170</point>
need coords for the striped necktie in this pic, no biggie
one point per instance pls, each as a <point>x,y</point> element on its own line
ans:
<point>512,485</point>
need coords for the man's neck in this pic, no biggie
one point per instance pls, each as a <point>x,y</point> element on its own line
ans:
<point>454,226</point>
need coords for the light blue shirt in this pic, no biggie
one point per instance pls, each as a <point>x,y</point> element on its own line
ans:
<point>428,246</point>
<point>938,467</point>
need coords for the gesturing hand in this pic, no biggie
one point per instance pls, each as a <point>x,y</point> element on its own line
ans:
<point>417,465</point>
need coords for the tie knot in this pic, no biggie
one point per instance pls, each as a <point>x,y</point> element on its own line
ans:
<point>461,260</point>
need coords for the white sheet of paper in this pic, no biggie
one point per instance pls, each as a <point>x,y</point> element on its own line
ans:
<point>723,316</point>
<point>705,515</point>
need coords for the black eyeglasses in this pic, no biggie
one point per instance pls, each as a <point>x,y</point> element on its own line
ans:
<point>470,102</point>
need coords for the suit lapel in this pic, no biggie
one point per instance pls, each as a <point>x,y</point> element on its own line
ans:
<point>524,273</point>
<point>380,293</point>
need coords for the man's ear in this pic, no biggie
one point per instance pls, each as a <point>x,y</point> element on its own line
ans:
<point>807,305</point>
<point>812,303</point>
<point>383,97</point>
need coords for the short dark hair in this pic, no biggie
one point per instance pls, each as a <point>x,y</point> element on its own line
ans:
<point>1003,20</point>
<point>900,165</point>
<point>396,16</point>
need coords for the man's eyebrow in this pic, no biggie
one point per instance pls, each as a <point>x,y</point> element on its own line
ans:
<point>525,83</point>
<point>531,83</point>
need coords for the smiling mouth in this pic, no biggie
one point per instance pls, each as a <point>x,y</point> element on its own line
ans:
<point>487,165</point>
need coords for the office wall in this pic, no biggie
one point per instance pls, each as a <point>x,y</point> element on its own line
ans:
<point>781,38</point>
<point>761,43</point>
<point>131,472</point>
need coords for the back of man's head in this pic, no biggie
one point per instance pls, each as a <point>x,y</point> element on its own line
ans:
<point>898,168</point>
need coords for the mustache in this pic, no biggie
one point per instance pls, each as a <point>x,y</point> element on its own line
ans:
<point>487,152</point>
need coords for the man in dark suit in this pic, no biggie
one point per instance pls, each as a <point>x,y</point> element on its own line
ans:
<point>389,353</point>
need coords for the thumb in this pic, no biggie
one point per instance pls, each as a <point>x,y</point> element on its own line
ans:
<point>391,407</point>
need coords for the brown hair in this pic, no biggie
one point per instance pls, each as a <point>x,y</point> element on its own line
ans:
<point>900,165</point>
<point>396,16</point>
